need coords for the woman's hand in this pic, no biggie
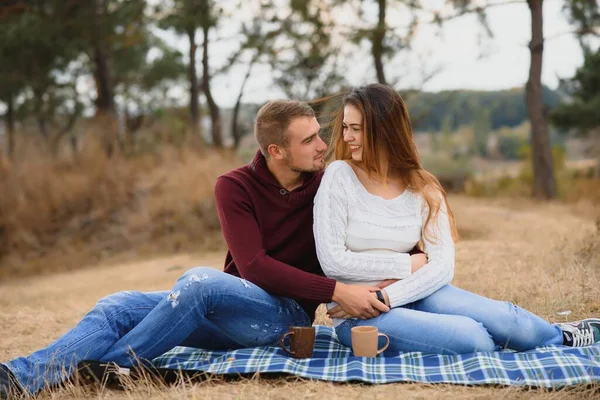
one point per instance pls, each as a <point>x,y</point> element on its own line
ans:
<point>417,261</point>
<point>386,283</point>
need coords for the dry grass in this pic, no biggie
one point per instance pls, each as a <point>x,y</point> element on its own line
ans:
<point>545,257</point>
<point>59,213</point>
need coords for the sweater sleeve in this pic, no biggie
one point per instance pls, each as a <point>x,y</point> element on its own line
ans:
<point>439,269</point>
<point>242,234</point>
<point>330,222</point>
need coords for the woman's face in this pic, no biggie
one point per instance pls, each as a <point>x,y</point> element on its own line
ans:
<point>353,131</point>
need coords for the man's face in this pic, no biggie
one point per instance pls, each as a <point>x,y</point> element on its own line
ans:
<point>305,149</point>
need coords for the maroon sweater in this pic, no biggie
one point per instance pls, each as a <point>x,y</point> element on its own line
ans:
<point>269,233</point>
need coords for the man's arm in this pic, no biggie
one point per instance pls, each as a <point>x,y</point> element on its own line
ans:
<point>244,240</point>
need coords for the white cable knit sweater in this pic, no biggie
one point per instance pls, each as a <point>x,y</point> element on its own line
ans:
<point>362,238</point>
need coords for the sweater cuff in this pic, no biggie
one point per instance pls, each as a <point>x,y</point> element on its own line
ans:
<point>405,266</point>
<point>321,289</point>
<point>396,298</point>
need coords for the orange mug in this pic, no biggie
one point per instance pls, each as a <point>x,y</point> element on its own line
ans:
<point>365,341</point>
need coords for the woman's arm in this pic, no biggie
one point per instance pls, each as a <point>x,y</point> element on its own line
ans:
<point>330,222</point>
<point>439,270</point>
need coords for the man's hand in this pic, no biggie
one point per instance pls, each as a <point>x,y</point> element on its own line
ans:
<point>357,301</point>
<point>417,261</point>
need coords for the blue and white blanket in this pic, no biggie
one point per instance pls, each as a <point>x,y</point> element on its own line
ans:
<point>543,367</point>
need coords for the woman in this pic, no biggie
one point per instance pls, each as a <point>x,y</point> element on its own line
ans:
<point>375,203</point>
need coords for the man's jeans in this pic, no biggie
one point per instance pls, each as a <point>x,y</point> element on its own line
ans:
<point>206,309</point>
<point>454,321</point>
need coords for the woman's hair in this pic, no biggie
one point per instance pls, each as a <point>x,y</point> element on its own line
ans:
<point>388,144</point>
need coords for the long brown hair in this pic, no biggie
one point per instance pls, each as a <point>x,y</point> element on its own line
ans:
<point>388,144</point>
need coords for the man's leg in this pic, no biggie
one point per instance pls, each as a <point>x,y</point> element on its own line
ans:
<point>110,319</point>
<point>509,325</point>
<point>242,312</point>
<point>411,330</point>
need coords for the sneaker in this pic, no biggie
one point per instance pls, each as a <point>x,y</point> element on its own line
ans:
<point>9,387</point>
<point>581,333</point>
<point>102,373</point>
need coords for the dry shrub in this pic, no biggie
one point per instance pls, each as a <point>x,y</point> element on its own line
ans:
<point>583,189</point>
<point>61,213</point>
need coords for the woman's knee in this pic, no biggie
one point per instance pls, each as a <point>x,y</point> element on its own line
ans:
<point>473,337</point>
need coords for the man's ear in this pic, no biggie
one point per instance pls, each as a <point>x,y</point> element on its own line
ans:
<point>275,151</point>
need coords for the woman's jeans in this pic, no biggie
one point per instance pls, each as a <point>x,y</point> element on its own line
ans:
<point>454,321</point>
<point>207,309</point>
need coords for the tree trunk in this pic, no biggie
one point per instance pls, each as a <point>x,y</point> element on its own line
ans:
<point>377,47</point>
<point>105,95</point>
<point>39,114</point>
<point>10,125</point>
<point>193,78</point>
<point>43,129</point>
<point>544,184</point>
<point>215,117</point>
<point>104,87</point>
<point>64,131</point>
<point>235,131</point>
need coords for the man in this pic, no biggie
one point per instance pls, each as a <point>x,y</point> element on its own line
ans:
<point>272,277</point>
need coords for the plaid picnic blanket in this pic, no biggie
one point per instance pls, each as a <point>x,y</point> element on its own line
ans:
<point>331,361</point>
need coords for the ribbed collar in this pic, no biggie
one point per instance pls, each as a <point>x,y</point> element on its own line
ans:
<point>297,197</point>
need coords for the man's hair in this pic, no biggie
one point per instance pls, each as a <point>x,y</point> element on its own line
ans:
<point>273,120</point>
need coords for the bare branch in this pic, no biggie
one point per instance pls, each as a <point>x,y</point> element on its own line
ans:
<point>438,19</point>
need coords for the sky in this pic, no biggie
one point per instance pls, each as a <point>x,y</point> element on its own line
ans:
<point>463,59</point>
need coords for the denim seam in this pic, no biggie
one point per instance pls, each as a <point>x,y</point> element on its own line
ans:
<point>260,302</point>
<point>421,344</point>
<point>108,320</point>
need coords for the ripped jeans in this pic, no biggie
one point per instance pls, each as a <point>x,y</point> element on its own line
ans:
<point>206,309</point>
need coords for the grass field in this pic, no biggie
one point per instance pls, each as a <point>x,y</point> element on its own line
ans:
<point>544,257</point>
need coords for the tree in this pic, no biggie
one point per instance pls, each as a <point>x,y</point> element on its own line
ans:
<point>544,183</point>
<point>582,112</point>
<point>258,45</point>
<point>385,39</point>
<point>186,17</point>
<point>30,59</point>
<point>210,15</point>
<point>143,84</point>
<point>12,82</point>
<point>305,59</point>
<point>481,132</point>
<point>107,32</point>
<point>585,16</point>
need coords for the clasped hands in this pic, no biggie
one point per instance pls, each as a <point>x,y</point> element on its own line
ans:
<point>360,301</point>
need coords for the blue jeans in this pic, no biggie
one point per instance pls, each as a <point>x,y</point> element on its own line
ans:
<point>206,308</point>
<point>454,321</point>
